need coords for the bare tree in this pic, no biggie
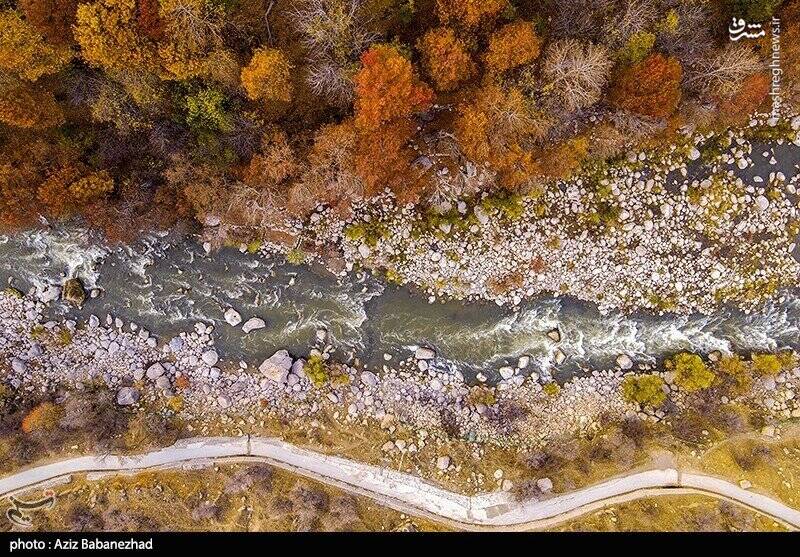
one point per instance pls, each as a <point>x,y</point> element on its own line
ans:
<point>693,38</point>
<point>335,32</point>
<point>628,18</point>
<point>576,72</point>
<point>723,74</point>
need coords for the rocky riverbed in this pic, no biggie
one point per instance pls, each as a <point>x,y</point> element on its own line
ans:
<point>710,220</point>
<point>185,375</point>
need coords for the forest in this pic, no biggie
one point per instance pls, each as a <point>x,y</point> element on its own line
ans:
<point>248,115</point>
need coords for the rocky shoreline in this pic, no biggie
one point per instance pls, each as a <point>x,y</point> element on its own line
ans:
<point>642,234</point>
<point>185,376</point>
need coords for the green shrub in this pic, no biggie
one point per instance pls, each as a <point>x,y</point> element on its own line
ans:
<point>316,370</point>
<point>766,364</point>
<point>691,372</point>
<point>295,257</point>
<point>647,390</point>
<point>551,389</point>
<point>736,374</point>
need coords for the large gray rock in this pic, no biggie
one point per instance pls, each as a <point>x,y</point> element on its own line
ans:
<point>73,292</point>
<point>253,324</point>
<point>423,353</point>
<point>50,294</point>
<point>18,365</point>
<point>155,371</point>
<point>624,361</point>
<point>127,396</point>
<point>276,367</point>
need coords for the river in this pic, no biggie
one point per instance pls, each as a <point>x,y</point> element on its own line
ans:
<point>166,284</point>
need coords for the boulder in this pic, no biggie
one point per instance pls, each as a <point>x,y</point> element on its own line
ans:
<point>423,353</point>
<point>210,357</point>
<point>232,317</point>
<point>18,365</point>
<point>624,361</point>
<point>443,462</point>
<point>276,367</point>
<point>253,324</point>
<point>298,367</point>
<point>127,396</point>
<point>73,292</point>
<point>155,371</point>
<point>554,335</point>
<point>545,485</point>
<point>175,344</point>
<point>50,294</point>
<point>368,378</point>
<point>559,357</point>
<point>506,372</point>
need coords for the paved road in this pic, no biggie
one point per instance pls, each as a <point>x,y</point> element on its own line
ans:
<point>405,492</point>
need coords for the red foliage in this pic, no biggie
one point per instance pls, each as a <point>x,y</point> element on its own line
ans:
<point>387,88</point>
<point>650,87</point>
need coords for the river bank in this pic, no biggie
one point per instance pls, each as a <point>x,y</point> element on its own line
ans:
<point>707,220</point>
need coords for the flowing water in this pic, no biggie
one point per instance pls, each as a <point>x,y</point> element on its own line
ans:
<point>166,284</point>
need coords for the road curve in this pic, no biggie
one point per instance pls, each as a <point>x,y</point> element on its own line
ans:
<point>405,492</point>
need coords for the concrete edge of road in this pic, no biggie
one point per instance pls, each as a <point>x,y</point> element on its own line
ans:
<point>405,492</point>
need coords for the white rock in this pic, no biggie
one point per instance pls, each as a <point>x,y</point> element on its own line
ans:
<point>253,324</point>
<point>232,317</point>
<point>423,353</point>
<point>624,361</point>
<point>506,372</point>
<point>559,357</point>
<point>443,462</point>
<point>155,371</point>
<point>524,361</point>
<point>545,485</point>
<point>210,357</point>
<point>277,366</point>
<point>762,203</point>
<point>554,335</point>
<point>364,251</point>
<point>18,365</point>
<point>369,378</point>
<point>694,154</point>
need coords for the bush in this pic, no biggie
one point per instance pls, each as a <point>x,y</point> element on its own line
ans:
<point>766,364</point>
<point>316,370</point>
<point>647,390</point>
<point>43,417</point>
<point>735,373</point>
<point>691,372</point>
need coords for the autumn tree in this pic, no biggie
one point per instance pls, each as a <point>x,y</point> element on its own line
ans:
<point>268,76</point>
<point>496,126</point>
<point>91,187</point>
<point>331,176</point>
<point>650,88</point>
<point>23,50</point>
<point>42,417</point>
<point>24,105</point>
<point>751,94</point>
<point>388,91</point>
<point>387,88</point>
<point>468,13</point>
<point>106,31</point>
<point>192,41</point>
<point>445,58</point>
<point>576,72</point>
<point>691,372</point>
<point>647,390</point>
<point>753,10</point>
<point>52,18</point>
<point>723,73</point>
<point>513,45</point>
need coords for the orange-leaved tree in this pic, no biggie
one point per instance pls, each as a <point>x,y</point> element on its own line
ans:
<point>445,58</point>
<point>469,12</point>
<point>651,87</point>
<point>495,127</point>
<point>23,50</point>
<point>268,76</point>
<point>388,91</point>
<point>387,88</point>
<point>512,46</point>
<point>52,18</point>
